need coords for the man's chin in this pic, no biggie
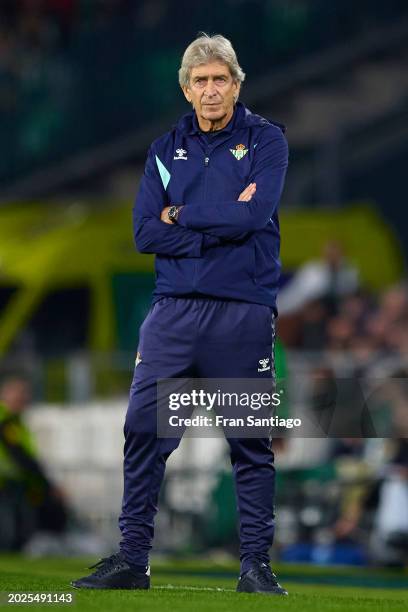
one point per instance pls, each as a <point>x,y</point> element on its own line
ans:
<point>213,114</point>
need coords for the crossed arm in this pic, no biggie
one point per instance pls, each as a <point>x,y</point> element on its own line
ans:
<point>153,230</point>
<point>205,225</point>
<point>245,196</point>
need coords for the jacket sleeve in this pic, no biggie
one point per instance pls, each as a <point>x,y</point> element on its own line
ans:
<point>230,219</point>
<point>153,235</point>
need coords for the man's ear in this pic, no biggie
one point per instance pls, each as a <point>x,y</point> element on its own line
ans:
<point>186,92</point>
<point>237,90</point>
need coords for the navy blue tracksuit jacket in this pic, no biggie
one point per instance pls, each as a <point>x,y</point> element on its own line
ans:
<point>213,309</point>
<point>220,247</point>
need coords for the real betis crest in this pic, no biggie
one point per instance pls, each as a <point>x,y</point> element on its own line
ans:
<point>239,151</point>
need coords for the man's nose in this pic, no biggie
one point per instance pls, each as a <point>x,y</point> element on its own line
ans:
<point>210,89</point>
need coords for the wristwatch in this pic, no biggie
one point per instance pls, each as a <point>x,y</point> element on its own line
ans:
<point>173,213</point>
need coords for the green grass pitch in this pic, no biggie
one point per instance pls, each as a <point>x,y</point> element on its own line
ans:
<point>202,586</point>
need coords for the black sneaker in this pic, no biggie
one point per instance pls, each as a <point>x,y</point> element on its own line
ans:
<point>260,579</point>
<point>113,573</point>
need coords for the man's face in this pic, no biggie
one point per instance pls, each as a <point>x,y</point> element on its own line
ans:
<point>212,91</point>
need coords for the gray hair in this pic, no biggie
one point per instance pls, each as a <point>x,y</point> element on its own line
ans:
<point>206,49</point>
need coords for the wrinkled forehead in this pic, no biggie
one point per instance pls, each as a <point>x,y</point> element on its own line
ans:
<point>211,69</point>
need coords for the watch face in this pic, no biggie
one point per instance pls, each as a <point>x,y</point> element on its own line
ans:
<point>173,213</point>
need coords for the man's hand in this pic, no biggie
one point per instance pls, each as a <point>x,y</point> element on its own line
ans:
<point>165,215</point>
<point>247,194</point>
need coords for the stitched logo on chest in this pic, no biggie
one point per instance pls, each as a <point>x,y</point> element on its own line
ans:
<point>180,154</point>
<point>239,152</point>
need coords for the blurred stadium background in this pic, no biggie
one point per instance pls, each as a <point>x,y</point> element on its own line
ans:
<point>85,86</point>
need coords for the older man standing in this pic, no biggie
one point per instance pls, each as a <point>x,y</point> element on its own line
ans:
<point>207,208</point>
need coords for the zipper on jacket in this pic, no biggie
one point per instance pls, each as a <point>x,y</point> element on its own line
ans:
<point>206,164</point>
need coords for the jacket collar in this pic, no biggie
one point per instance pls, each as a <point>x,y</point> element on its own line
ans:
<point>188,124</point>
<point>242,117</point>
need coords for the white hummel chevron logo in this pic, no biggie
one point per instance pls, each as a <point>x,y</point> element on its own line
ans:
<point>180,154</point>
<point>264,363</point>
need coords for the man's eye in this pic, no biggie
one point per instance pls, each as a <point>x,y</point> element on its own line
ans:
<point>220,79</point>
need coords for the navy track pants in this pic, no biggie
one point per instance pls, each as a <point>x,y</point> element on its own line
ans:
<point>191,338</point>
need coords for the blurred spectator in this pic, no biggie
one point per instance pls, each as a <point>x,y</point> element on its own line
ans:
<point>379,493</point>
<point>329,278</point>
<point>29,502</point>
<point>355,476</point>
<point>64,12</point>
<point>389,538</point>
<point>350,360</point>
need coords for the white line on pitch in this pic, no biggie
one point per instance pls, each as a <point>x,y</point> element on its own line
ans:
<point>193,588</point>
